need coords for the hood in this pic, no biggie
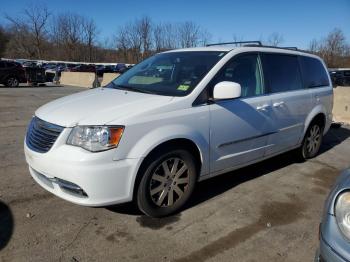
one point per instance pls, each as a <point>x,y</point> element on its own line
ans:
<point>99,106</point>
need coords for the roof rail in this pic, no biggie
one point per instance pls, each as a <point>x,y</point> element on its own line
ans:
<point>251,43</point>
<point>290,47</point>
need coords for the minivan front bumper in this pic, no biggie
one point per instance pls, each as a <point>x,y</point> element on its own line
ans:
<point>82,177</point>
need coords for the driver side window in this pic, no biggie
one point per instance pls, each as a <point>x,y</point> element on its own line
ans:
<point>244,70</point>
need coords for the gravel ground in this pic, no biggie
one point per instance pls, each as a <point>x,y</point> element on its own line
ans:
<point>266,212</point>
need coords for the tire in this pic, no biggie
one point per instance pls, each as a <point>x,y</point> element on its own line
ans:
<point>168,180</point>
<point>12,82</point>
<point>312,141</point>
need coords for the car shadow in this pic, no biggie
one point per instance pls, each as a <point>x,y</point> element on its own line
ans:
<point>336,135</point>
<point>210,188</point>
<point>6,225</point>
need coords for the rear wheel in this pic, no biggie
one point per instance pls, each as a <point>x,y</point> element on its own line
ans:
<point>312,140</point>
<point>168,182</point>
<point>12,82</point>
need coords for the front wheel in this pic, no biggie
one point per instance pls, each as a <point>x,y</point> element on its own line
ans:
<point>168,182</point>
<point>12,82</point>
<point>312,141</point>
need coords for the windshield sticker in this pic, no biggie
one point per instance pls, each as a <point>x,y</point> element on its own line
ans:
<point>183,87</point>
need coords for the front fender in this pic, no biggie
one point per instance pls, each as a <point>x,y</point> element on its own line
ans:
<point>163,134</point>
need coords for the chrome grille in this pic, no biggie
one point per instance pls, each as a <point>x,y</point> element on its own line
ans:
<point>41,135</point>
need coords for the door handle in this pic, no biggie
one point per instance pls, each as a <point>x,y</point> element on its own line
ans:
<point>262,108</point>
<point>278,104</point>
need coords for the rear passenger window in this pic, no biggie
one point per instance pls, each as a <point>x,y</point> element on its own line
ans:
<point>314,73</point>
<point>282,72</point>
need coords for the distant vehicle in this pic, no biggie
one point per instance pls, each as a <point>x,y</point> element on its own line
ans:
<point>335,225</point>
<point>11,73</point>
<point>340,77</point>
<point>120,68</point>
<point>29,64</point>
<point>48,66</point>
<point>176,118</point>
<point>105,69</point>
<point>83,68</point>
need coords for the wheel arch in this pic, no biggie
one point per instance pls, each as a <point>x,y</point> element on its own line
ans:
<point>183,143</point>
<point>318,114</point>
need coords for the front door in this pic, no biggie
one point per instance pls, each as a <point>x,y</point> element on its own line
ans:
<point>239,127</point>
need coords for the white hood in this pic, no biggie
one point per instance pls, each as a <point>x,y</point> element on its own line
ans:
<point>99,106</point>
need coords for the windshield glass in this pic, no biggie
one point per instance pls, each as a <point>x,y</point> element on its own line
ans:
<point>169,74</point>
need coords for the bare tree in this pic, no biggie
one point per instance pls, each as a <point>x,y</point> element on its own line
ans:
<point>68,35</point>
<point>20,44</point>
<point>205,37</point>
<point>170,36</point>
<point>123,42</point>
<point>333,49</point>
<point>89,36</point>
<point>165,37</point>
<point>4,38</point>
<point>158,36</point>
<point>314,46</point>
<point>34,24</point>
<point>189,34</point>
<point>144,28</point>
<point>275,39</point>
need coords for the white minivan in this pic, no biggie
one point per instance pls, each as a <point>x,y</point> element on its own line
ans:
<point>176,118</point>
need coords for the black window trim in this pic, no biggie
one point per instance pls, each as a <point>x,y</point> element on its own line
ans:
<point>209,100</point>
<point>303,73</point>
<point>267,79</point>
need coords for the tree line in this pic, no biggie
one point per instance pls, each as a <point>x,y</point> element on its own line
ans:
<point>37,33</point>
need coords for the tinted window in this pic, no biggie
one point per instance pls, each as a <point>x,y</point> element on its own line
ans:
<point>170,74</point>
<point>282,72</point>
<point>314,72</point>
<point>244,70</point>
<point>2,64</point>
<point>9,64</point>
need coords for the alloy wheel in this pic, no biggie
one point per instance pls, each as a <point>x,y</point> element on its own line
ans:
<point>12,82</point>
<point>313,140</point>
<point>169,182</point>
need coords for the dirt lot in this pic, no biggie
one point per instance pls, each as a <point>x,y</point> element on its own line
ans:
<point>266,212</point>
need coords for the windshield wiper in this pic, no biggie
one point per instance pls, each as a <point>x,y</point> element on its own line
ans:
<point>134,89</point>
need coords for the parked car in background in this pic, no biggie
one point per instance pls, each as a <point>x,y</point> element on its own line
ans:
<point>11,73</point>
<point>101,69</point>
<point>340,77</point>
<point>83,68</point>
<point>176,118</point>
<point>334,232</point>
<point>30,64</point>
<point>120,68</point>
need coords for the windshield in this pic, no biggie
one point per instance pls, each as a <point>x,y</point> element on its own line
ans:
<point>169,74</point>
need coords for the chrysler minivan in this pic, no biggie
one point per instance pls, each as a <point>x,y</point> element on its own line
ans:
<point>176,118</point>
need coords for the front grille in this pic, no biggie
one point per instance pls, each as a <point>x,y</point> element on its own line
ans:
<point>41,135</point>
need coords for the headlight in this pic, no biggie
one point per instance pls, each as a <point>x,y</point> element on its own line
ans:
<point>95,138</point>
<point>342,213</point>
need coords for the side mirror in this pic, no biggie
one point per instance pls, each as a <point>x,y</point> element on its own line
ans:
<point>226,90</point>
